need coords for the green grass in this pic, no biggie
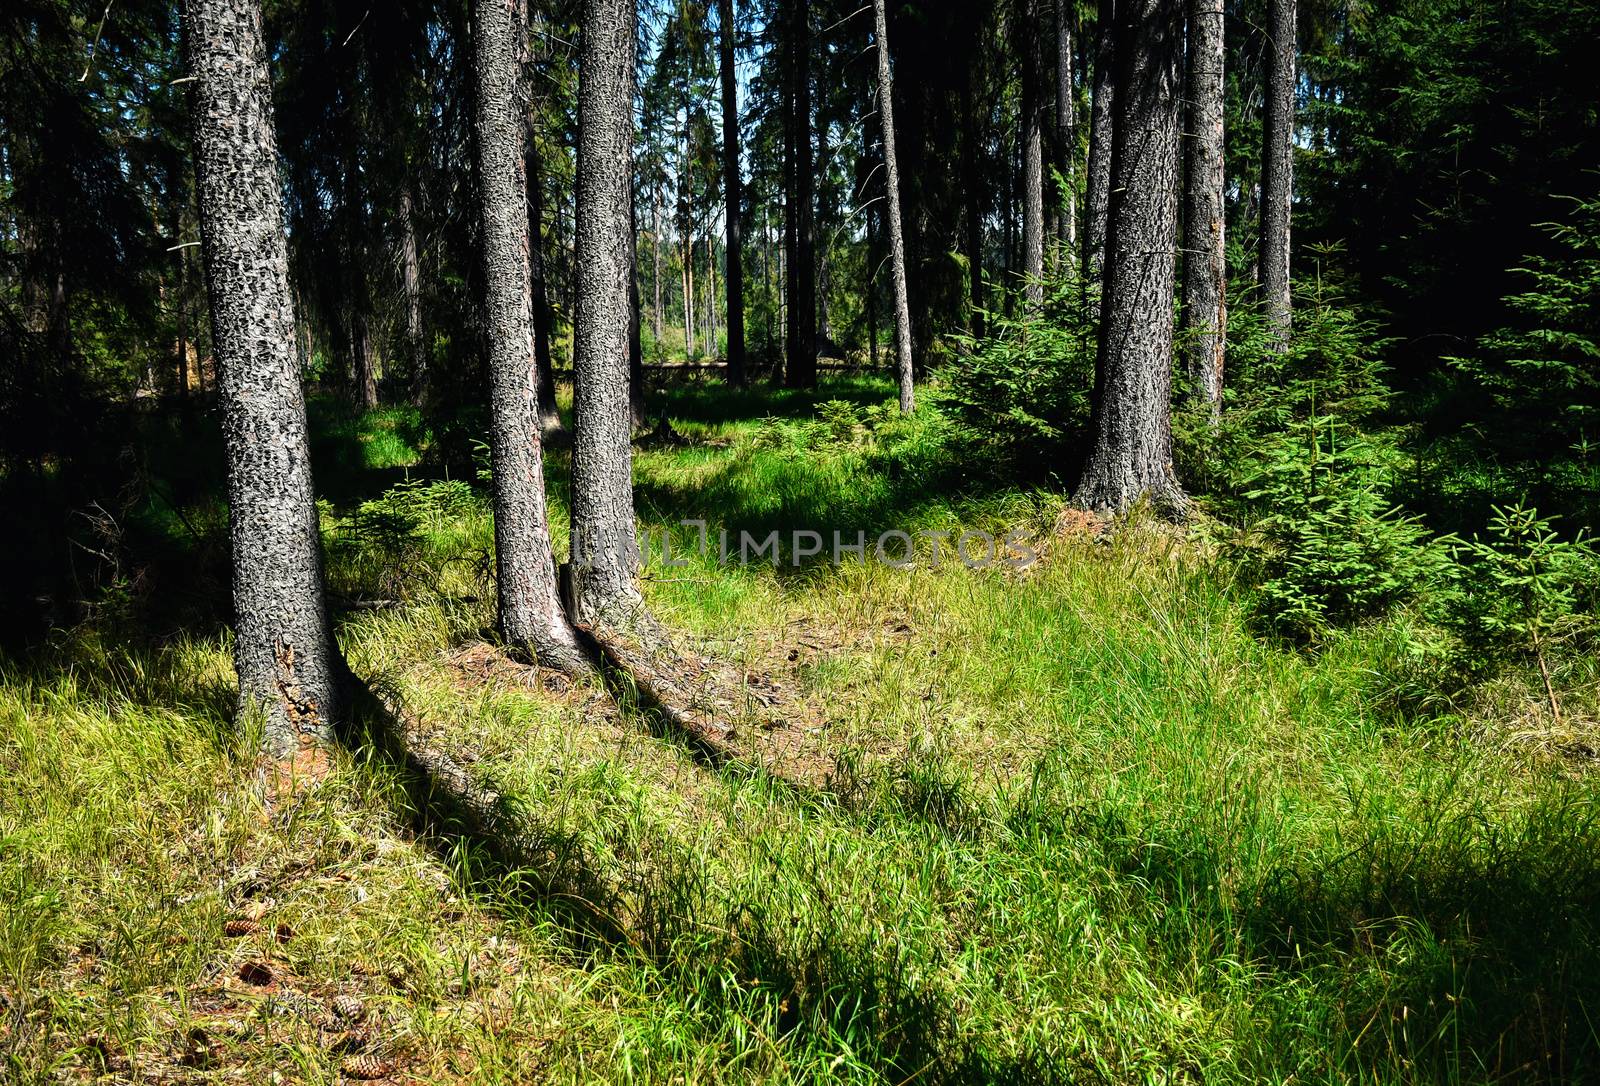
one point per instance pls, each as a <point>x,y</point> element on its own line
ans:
<point>1084,825</point>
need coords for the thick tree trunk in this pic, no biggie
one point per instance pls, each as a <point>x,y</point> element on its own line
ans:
<point>1204,263</point>
<point>604,552</point>
<point>733,191</point>
<point>802,362</point>
<point>897,247</point>
<point>1032,157</point>
<point>1277,170</point>
<point>1066,133</point>
<point>1097,200</point>
<point>283,647</point>
<point>530,607</point>
<point>1132,453</point>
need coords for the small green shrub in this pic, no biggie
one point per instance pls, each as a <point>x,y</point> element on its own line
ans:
<point>1329,546</point>
<point>1022,394</point>
<point>1522,592</point>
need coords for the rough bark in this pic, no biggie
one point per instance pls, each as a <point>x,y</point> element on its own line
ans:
<point>1032,157</point>
<point>1066,133</point>
<point>530,608</point>
<point>1097,198</point>
<point>1277,170</point>
<point>283,648</point>
<point>636,383</point>
<point>1132,452</point>
<point>897,247</point>
<point>733,193</point>
<point>411,283</point>
<point>604,553</point>
<point>1204,263</point>
<point>802,353</point>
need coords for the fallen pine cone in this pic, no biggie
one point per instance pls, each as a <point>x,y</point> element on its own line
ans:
<point>283,933</point>
<point>366,1067</point>
<point>240,926</point>
<point>256,973</point>
<point>349,1008</point>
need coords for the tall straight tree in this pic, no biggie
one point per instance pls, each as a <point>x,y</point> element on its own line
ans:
<point>538,273</point>
<point>897,245</point>
<point>1277,170</point>
<point>799,205</point>
<point>284,651</point>
<point>1097,197</point>
<point>1032,122</point>
<point>530,605</point>
<point>733,192</point>
<point>604,552</point>
<point>1132,454</point>
<point>1204,263</point>
<point>1066,132</point>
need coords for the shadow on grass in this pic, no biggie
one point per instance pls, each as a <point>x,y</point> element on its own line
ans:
<point>1456,943</point>
<point>656,912</point>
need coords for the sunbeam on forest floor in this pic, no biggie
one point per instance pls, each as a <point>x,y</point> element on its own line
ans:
<point>1067,822</point>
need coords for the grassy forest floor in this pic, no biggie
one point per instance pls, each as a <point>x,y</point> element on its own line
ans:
<point>1073,823</point>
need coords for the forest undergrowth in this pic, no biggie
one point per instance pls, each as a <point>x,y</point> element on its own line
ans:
<point>1088,820</point>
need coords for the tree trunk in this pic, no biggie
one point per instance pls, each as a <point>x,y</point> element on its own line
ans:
<point>1032,157</point>
<point>972,189</point>
<point>897,248</point>
<point>636,389</point>
<point>791,233</point>
<point>530,607</point>
<point>687,186</point>
<point>283,648</point>
<point>1067,133</point>
<point>683,290</point>
<point>733,193</point>
<point>1132,453</point>
<point>539,289</point>
<point>872,297</point>
<point>604,552</point>
<point>655,250</point>
<point>1277,171</point>
<point>1097,200</point>
<point>411,281</point>
<point>802,368</point>
<point>1009,240</point>
<point>1204,263</point>
<point>182,310</point>
<point>711,294</point>
<point>366,370</point>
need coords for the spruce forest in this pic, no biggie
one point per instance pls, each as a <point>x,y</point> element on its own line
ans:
<point>799,541</point>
